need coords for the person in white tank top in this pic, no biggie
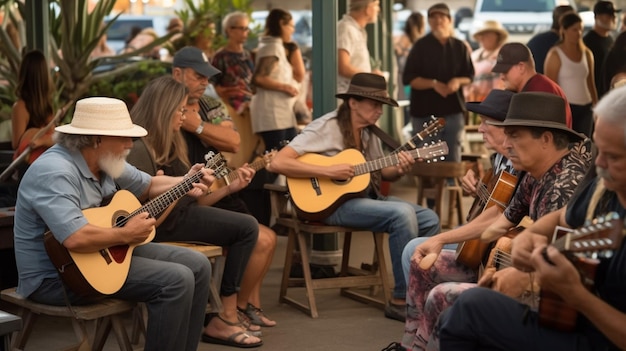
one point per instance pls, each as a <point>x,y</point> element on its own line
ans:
<point>571,65</point>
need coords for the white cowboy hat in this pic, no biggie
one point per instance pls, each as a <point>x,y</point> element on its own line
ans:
<point>102,116</point>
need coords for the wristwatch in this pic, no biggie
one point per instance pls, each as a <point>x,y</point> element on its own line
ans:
<point>200,128</point>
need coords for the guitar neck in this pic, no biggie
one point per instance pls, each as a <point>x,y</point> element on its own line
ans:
<point>233,175</point>
<point>157,205</point>
<point>383,162</point>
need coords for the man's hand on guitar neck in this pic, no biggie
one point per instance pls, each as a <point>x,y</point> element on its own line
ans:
<point>404,166</point>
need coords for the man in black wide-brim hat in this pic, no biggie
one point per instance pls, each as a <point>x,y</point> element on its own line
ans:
<point>554,158</point>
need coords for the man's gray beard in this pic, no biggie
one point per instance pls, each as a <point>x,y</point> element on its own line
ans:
<point>112,164</point>
<point>603,173</point>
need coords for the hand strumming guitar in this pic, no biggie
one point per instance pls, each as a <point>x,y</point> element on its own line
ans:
<point>340,171</point>
<point>469,182</point>
<point>558,275</point>
<point>137,229</point>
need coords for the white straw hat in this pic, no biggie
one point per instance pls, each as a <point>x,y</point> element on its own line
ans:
<point>102,116</point>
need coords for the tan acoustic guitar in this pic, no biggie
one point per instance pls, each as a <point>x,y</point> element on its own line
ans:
<point>316,197</point>
<point>105,271</point>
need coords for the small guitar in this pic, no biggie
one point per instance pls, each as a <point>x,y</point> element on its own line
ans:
<point>491,191</point>
<point>431,128</point>
<point>317,197</point>
<point>105,271</point>
<point>583,246</point>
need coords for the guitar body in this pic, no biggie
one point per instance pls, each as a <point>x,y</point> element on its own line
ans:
<point>106,270</point>
<point>316,198</point>
<point>500,189</point>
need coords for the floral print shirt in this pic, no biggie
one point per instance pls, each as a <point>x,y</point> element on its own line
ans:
<point>552,191</point>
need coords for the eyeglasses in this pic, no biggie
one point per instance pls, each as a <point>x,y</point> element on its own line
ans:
<point>245,29</point>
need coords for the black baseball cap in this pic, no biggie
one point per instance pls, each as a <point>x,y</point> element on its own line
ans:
<point>511,54</point>
<point>194,58</point>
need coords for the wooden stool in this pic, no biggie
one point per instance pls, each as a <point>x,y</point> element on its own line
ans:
<point>349,277</point>
<point>439,173</point>
<point>106,314</point>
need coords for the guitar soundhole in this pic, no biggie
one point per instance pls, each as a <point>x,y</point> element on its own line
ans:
<point>342,181</point>
<point>117,252</point>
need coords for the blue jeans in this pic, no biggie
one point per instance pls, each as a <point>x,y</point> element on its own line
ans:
<point>402,220</point>
<point>174,284</point>
<point>408,251</point>
<point>452,133</point>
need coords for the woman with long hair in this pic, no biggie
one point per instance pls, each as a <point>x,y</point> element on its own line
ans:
<point>34,109</point>
<point>271,107</point>
<point>571,65</point>
<point>161,111</point>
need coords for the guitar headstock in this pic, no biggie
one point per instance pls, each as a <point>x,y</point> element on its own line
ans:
<point>217,163</point>
<point>599,239</point>
<point>268,156</point>
<point>431,128</point>
<point>431,152</point>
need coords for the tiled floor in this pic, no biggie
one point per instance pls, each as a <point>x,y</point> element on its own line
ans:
<point>343,323</point>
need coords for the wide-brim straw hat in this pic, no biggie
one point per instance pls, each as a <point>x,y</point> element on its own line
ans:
<point>102,116</point>
<point>493,26</point>
<point>370,86</point>
<point>538,109</point>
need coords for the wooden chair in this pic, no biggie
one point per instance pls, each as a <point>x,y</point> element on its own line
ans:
<point>348,277</point>
<point>437,174</point>
<point>107,314</point>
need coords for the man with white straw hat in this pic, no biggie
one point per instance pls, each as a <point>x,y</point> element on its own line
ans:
<point>86,166</point>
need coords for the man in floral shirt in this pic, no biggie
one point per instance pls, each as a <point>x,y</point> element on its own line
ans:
<point>555,159</point>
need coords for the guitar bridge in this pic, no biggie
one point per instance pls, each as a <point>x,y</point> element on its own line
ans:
<point>316,185</point>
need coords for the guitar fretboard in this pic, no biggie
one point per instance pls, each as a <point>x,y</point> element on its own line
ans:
<point>157,205</point>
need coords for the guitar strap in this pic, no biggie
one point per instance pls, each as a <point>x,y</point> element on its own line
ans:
<point>384,137</point>
<point>595,199</point>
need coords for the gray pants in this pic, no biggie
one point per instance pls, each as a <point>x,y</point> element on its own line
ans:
<point>174,284</point>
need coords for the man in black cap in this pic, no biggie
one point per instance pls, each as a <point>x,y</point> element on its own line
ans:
<point>348,128</point>
<point>554,158</point>
<point>516,66</point>
<point>208,128</point>
<point>599,38</point>
<point>485,320</point>
<point>437,67</point>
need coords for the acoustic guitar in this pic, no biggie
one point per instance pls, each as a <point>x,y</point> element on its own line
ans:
<point>316,197</point>
<point>492,190</point>
<point>225,175</point>
<point>104,272</point>
<point>583,247</point>
<point>431,128</point>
